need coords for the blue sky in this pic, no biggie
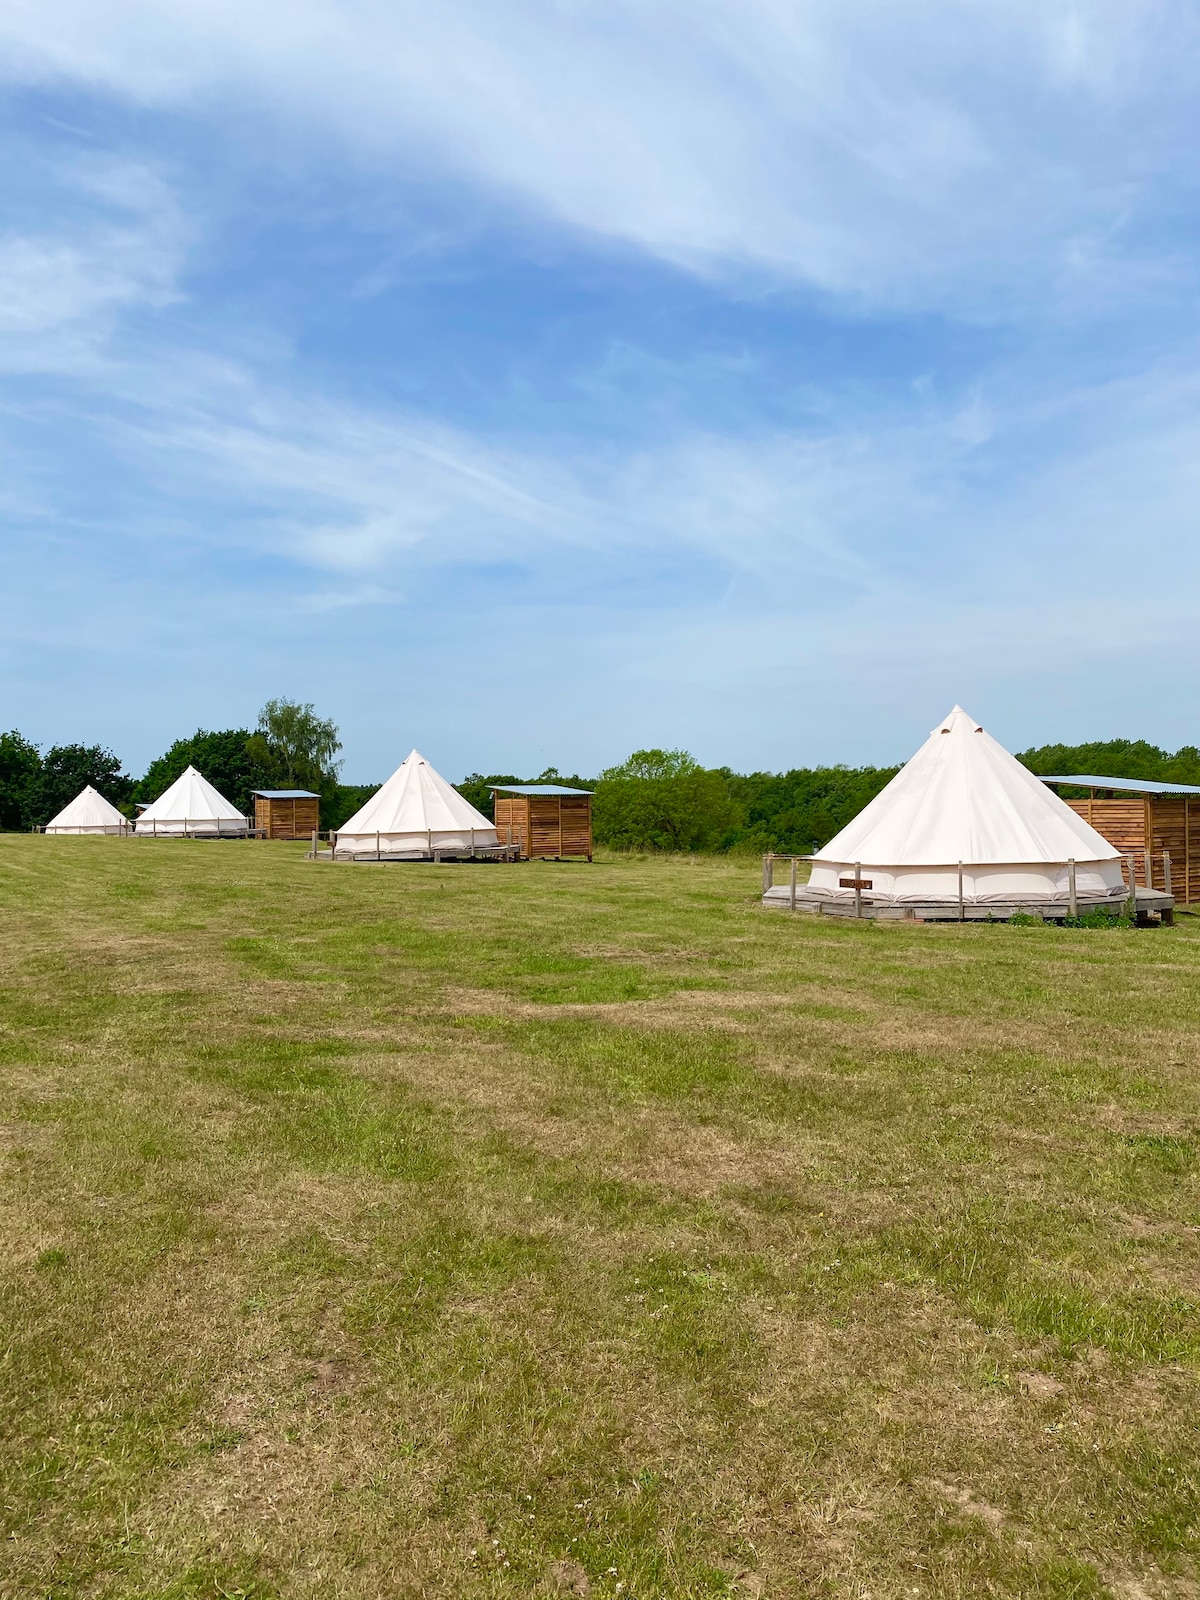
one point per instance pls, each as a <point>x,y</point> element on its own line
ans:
<point>530,381</point>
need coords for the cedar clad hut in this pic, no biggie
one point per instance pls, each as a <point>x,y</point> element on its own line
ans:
<point>286,813</point>
<point>1158,824</point>
<point>544,820</point>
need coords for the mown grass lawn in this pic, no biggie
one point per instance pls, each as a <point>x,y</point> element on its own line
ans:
<point>505,1231</point>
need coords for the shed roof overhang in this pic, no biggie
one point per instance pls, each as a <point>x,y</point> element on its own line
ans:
<point>1121,785</point>
<point>535,788</point>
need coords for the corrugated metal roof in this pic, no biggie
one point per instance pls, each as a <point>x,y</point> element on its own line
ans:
<point>535,788</point>
<point>1128,785</point>
<point>286,794</point>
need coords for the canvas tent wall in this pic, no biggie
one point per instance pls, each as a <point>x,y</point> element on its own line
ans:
<point>193,809</point>
<point>965,822</point>
<point>415,816</point>
<point>89,812</point>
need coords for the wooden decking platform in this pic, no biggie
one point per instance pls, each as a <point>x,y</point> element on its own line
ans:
<point>503,852</point>
<point>1152,906</point>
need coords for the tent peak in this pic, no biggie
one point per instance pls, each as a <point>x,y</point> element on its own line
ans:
<point>957,718</point>
<point>967,801</point>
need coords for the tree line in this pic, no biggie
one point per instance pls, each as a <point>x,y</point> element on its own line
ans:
<point>290,748</point>
<point>657,800</point>
<point>665,800</point>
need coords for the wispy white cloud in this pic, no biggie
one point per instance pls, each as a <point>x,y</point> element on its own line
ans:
<point>957,154</point>
<point>334,486</point>
<point>317,601</point>
<point>105,236</point>
<point>1002,489</point>
<point>752,536</point>
<point>778,596</point>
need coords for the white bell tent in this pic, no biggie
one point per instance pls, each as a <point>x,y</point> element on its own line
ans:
<point>964,823</point>
<point>414,816</point>
<point>191,807</point>
<point>89,812</point>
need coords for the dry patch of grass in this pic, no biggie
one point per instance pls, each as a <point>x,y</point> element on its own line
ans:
<point>499,1232</point>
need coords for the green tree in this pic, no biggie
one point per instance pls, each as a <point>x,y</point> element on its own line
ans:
<point>1116,758</point>
<point>68,768</point>
<point>477,788</point>
<point>663,800</point>
<point>20,770</point>
<point>799,811</point>
<point>339,802</point>
<point>301,744</point>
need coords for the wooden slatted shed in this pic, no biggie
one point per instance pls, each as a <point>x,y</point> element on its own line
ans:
<point>286,813</point>
<point>1146,821</point>
<point>544,820</point>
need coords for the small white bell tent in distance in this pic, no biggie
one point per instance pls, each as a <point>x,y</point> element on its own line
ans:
<point>89,812</point>
<point>191,808</point>
<point>962,830</point>
<point>415,816</point>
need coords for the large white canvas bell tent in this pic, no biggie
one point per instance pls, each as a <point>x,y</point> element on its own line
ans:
<point>415,816</point>
<point>192,808</point>
<point>963,829</point>
<point>89,812</point>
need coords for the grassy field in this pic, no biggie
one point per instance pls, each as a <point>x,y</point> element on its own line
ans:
<point>507,1231</point>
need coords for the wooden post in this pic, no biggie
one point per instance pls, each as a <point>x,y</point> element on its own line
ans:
<point>1148,840</point>
<point>766,873</point>
<point>1167,871</point>
<point>1131,861</point>
<point>858,888</point>
<point>792,905</point>
<point>1074,900</point>
<point>962,911</point>
<point>560,827</point>
<point>1187,847</point>
<point>313,855</point>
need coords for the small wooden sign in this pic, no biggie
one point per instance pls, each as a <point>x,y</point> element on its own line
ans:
<point>856,883</point>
